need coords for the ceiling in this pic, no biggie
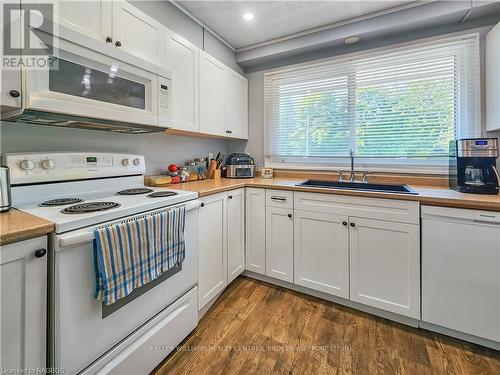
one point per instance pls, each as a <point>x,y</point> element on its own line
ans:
<point>276,19</point>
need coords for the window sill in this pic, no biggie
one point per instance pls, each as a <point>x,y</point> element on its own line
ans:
<point>396,169</point>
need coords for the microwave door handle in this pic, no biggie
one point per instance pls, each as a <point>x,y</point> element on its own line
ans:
<point>496,174</point>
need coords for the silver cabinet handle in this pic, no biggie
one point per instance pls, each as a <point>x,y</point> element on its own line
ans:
<point>281,199</point>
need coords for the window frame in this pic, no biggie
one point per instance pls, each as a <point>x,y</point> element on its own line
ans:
<point>430,165</point>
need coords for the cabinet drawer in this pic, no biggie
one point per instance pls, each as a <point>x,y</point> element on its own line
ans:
<point>144,350</point>
<point>279,198</point>
<point>370,208</point>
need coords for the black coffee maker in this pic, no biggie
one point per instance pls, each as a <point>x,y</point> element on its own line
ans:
<point>473,165</point>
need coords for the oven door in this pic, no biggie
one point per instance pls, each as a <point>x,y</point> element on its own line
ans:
<point>91,84</point>
<point>82,330</point>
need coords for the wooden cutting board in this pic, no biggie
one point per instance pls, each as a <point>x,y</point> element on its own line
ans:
<point>157,180</point>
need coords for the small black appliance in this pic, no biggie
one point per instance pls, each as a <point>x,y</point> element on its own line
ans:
<point>473,166</point>
<point>239,165</point>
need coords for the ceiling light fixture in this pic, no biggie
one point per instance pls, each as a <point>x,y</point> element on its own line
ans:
<point>352,40</point>
<point>248,16</point>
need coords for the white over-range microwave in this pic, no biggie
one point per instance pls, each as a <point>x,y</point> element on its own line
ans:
<point>91,87</point>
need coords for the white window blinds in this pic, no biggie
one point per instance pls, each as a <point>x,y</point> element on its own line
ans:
<point>400,104</point>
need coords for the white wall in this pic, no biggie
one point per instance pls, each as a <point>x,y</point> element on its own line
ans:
<point>160,150</point>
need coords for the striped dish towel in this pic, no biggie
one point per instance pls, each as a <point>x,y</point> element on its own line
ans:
<point>133,253</point>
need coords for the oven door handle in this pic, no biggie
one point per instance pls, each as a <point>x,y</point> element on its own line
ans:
<point>72,239</point>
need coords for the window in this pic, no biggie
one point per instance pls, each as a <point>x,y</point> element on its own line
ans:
<point>396,108</point>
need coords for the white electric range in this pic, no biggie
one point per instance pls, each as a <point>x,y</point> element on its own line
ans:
<point>80,192</point>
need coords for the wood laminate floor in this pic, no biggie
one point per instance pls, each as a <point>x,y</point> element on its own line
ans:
<point>259,328</point>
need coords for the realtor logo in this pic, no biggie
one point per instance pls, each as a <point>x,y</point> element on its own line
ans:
<point>28,40</point>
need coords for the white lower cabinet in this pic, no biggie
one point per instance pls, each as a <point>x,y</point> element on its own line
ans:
<point>385,265</point>
<point>256,230</point>
<point>279,243</point>
<point>321,247</point>
<point>212,248</point>
<point>222,243</point>
<point>235,233</point>
<point>23,273</point>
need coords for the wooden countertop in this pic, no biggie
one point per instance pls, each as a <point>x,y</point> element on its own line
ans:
<point>17,226</point>
<point>429,195</point>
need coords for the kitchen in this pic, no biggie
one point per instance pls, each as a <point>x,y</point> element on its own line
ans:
<point>317,181</point>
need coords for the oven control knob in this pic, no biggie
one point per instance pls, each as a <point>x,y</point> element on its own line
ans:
<point>137,161</point>
<point>124,162</point>
<point>27,165</point>
<point>48,164</point>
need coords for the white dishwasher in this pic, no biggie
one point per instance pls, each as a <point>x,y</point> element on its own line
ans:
<point>461,270</point>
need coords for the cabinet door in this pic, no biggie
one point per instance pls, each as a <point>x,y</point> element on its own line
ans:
<point>321,252</point>
<point>212,248</point>
<point>11,86</point>
<point>235,233</point>
<point>236,108</point>
<point>92,18</point>
<point>212,95</point>
<point>385,265</point>
<point>256,230</point>
<point>137,33</point>
<point>182,58</point>
<point>11,79</point>
<point>23,304</point>
<point>279,243</point>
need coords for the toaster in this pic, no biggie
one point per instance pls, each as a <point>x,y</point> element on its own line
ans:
<point>239,165</point>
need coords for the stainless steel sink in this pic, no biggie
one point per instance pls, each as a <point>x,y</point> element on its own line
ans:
<point>346,185</point>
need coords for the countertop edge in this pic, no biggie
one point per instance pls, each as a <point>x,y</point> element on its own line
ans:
<point>40,228</point>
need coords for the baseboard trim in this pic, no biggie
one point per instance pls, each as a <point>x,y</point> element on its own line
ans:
<point>459,335</point>
<point>209,304</point>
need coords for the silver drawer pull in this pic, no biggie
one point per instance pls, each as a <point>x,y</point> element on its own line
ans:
<point>281,199</point>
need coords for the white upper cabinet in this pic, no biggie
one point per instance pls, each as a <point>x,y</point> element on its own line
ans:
<point>182,60</point>
<point>92,18</point>
<point>118,23</point>
<point>10,87</point>
<point>385,265</point>
<point>223,99</point>
<point>493,78</point>
<point>137,33</point>
<point>236,108</point>
<point>235,233</point>
<point>321,250</point>
<point>212,95</point>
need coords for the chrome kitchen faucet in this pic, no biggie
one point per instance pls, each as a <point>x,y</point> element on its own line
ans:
<point>352,172</point>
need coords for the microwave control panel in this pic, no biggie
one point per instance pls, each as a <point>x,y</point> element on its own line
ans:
<point>164,98</point>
